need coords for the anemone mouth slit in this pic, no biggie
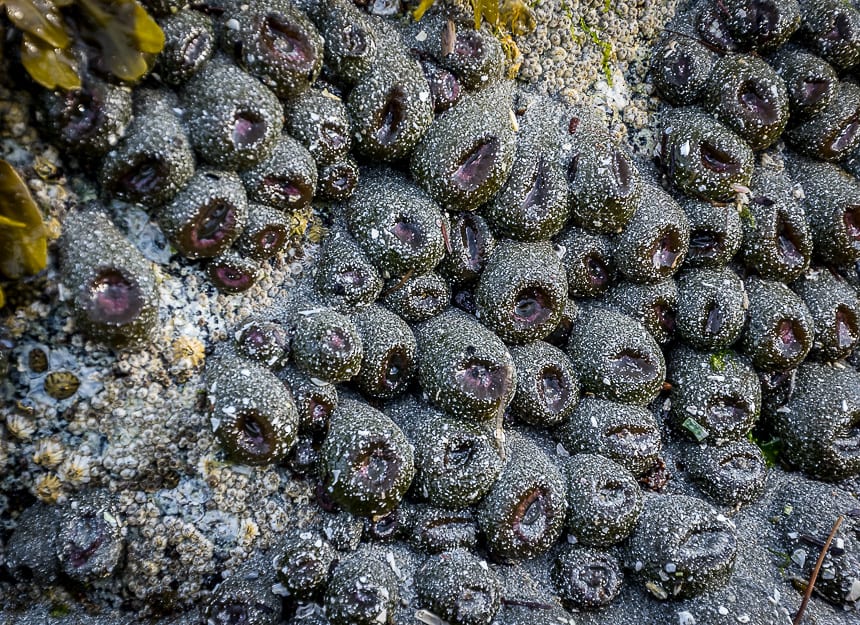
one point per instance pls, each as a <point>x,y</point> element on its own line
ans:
<point>632,364</point>
<point>249,127</point>
<point>271,239</point>
<point>553,388</point>
<point>715,320</point>
<point>622,171</point>
<point>789,242</point>
<point>468,45</point>
<point>410,234</point>
<point>340,178</point>
<point>483,380</point>
<point>113,298</point>
<point>572,168</point>
<point>532,306</point>
<point>253,434</point>
<point>532,515</point>
<point>319,410</point>
<point>666,251</point>
<point>726,412</point>
<point>846,438</point>
<point>754,97</point>
<point>349,280</point>
<point>234,278</point>
<point>615,496</point>
<point>664,314</point>
<point>286,40</point>
<point>473,602</point>
<point>712,29</point>
<point>79,555</point>
<point>473,243</point>
<point>333,136</point>
<point>395,369</point>
<point>765,19</point>
<point>840,29</point>
<point>477,165</point>
<point>707,549</point>
<point>596,271</point>
<point>680,70</point>
<point>83,114</point>
<point>215,222</point>
<point>851,221</point>
<point>376,467</point>
<point>633,441</point>
<point>337,342</point>
<point>717,160</point>
<point>741,467</point>
<point>391,118</point>
<point>354,41</point>
<point>813,89</point>
<point>292,191</point>
<point>144,175</point>
<point>537,194</point>
<point>790,338</point>
<point>460,453</point>
<point>846,137</point>
<point>195,48</point>
<point>846,326</point>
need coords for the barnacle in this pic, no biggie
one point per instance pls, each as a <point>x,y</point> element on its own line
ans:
<point>23,241</point>
<point>124,37</point>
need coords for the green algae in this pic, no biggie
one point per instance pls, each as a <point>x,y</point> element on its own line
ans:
<point>23,237</point>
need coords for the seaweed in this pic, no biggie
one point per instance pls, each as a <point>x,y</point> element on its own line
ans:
<point>23,237</point>
<point>60,37</point>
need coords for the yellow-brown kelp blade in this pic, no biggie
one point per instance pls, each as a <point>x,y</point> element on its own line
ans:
<point>23,244</point>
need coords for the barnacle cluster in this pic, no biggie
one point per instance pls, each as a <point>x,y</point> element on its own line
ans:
<point>530,378</point>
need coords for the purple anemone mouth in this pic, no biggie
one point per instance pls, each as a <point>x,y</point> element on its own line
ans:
<point>444,86</point>
<point>212,228</point>
<point>632,364</point>
<point>232,278</point>
<point>473,242</point>
<point>391,118</point>
<point>337,343</point>
<point>252,434</point>
<point>847,330</point>
<point>840,29</point>
<point>477,165</point>
<point>715,320</point>
<point>633,441</point>
<point>717,160</point>
<point>460,453</point>
<point>483,380</point>
<point>706,244</point>
<point>712,29</point>
<point>789,242</point>
<point>377,467</point>
<point>248,129</point>
<point>318,412</point>
<point>616,497</point>
<point>409,234</point>
<point>146,174</point>
<point>293,192</point>
<point>664,315</point>
<point>113,299</point>
<point>349,280</point>
<point>623,173</point>
<point>271,239</point>
<point>790,338</point>
<point>532,515</point>
<point>395,369</point>
<point>846,137</point>
<point>84,114</point>
<point>468,45</point>
<point>765,18</point>
<point>286,40</point>
<point>812,90</point>
<point>333,136</point>
<point>532,306</point>
<point>727,413</point>
<point>666,251</point>
<point>596,272</point>
<point>340,178</point>
<point>79,555</point>
<point>679,72</point>
<point>851,221</point>
<point>537,195</point>
<point>754,98</point>
<point>553,389</point>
